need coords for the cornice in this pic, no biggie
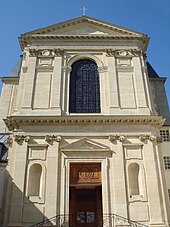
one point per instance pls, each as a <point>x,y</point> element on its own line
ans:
<point>14,80</point>
<point>158,79</point>
<point>3,163</point>
<point>27,39</point>
<point>53,36</point>
<point>14,122</point>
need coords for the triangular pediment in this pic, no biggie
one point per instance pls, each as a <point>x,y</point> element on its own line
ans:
<point>85,26</point>
<point>84,30</point>
<point>85,144</point>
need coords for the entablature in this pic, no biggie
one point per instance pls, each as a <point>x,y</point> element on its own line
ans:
<point>27,39</point>
<point>14,122</point>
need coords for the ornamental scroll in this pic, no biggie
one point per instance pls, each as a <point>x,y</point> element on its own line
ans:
<point>85,174</point>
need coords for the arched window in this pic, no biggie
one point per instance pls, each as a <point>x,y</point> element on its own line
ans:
<point>84,88</point>
<point>35,174</point>
<point>133,172</point>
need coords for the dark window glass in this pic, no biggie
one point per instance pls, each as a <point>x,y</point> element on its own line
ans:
<point>84,88</point>
<point>167,162</point>
<point>165,135</point>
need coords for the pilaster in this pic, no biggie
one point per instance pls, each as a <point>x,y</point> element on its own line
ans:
<point>56,86</point>
<point>114,99</point>
<point>103,88</point>
<point>120,200</point>
<point>153,182</point>
<point>29,84</point>
<point>105,188</point>
<point>140,86</point>
<point>53,179</point>
<point>17,193</point>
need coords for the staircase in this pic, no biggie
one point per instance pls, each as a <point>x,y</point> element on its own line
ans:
<point>109,220</point>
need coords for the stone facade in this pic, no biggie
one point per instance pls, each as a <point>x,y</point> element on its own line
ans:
<point>46,140</point>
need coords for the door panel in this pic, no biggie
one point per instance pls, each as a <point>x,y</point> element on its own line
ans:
<point>85,207</point>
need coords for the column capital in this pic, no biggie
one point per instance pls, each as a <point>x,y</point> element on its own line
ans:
<point>21,138</point>
<point>52,138</point>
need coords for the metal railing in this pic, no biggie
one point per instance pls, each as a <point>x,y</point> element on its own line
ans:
<point>59,220</point>
<point>114,220</point>
<point>109,220</point>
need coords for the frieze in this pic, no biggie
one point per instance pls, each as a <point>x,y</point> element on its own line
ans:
<point>46,53</point>
<point>51,138</point>
<point>123,53</point>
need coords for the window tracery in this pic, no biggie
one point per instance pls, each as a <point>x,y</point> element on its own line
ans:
<point>84,88</point>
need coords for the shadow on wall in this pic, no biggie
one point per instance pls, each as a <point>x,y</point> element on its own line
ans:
<point>18,209</point>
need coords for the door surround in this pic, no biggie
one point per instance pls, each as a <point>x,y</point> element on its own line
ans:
<point>65,178</point>
<point>85,202</point>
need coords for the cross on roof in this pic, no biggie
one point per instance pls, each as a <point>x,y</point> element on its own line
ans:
<point>84,9</point>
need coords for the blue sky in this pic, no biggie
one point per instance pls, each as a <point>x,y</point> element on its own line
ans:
<point>151,17</point>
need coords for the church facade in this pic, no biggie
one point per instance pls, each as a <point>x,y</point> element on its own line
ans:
<point>84,143</point>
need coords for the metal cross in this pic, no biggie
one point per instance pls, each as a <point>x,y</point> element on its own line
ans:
<point>84,9</point>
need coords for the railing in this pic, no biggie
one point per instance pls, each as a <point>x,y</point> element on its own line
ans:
<point>114,220</point>
<point>109,220</point>
<point>59,220</point>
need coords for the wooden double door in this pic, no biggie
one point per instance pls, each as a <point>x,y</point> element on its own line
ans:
<point>85,206</point>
